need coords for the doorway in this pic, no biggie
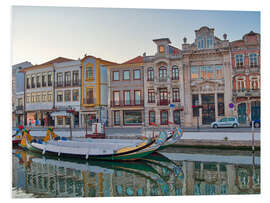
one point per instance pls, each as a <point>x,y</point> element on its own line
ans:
<point>208,109</point>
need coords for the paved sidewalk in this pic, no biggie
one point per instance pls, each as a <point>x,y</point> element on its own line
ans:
<point>131,133</point>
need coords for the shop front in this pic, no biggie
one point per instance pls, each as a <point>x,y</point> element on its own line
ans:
<point>132,117</point>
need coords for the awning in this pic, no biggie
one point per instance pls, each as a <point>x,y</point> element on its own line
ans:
<point>60,113</point>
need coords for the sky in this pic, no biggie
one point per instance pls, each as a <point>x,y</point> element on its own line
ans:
<point>42,33</point>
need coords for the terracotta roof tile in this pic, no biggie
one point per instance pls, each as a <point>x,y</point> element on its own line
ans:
<point>138,59</point>
<point>57,60</point>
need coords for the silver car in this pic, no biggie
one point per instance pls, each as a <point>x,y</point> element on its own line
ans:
<point>226,122</point>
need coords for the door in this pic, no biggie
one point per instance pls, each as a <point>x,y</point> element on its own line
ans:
<point>255,110</point>
<point>208,109</point>
<point>241,113</point>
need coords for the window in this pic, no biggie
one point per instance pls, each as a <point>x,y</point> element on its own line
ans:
<point>33,81</point>
<point>239,60</point>
<point>67,120</point>
<point>75,77</point>
<point>254,83</point>
<point>38,80</point>
<point>176,117</point>
<point>163,93</point>
<point>67,78</point>
<point>115,75</point>
<point>175,73</point>
<point>163,74</point>
<point>89,71</point>
<point>20,102</point>
<point>200,43</point>
<point>28,98</point>
<point>152,117</point>
<point>137,74</point>
<point>164,117</point>
<point>132,117</point>
<point>151,96</point>
<point>126,97</point>
<point>137,97</point>
<point>195,101</point>
<point>253,60</point>
<point>116,98</point>
<point>59,79</point>
<point>161,49</point>
<point>49,95</point>
<point>194,72</point>
<point>150,74</point>
<point>89,96</point>
<point>220,104</point>
<point>38,97</point>
<point>67,95</point>
<point>49,78</point>
<point>207,72</point>
<point>219,72</point>
<point>59,96</point>
<point>33,97</point>
<point>176,96</point>
<point>240,83</point>
<point>126,75</point>
<point>116,117</point>
<point>44,83</point>
<point>44,95</point>
<point>59,120</point>
<point>209,42</point>
<point>75,95</point>
<point>28,82</point>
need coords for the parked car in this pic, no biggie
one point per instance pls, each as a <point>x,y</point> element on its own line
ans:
<point>257,123</point>
<point>226,122</point>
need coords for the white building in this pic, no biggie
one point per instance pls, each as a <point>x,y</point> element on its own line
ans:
<point>67,93</point>
<point>39,92</point>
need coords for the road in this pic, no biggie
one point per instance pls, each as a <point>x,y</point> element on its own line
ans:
<point>189,133</point>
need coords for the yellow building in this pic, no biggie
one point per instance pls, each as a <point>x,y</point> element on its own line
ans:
<point>94,89</point>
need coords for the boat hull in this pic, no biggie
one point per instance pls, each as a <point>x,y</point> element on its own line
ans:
<point>129,155</point>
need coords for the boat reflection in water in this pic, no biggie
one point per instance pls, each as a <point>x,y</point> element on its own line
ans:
<point>155,175</point>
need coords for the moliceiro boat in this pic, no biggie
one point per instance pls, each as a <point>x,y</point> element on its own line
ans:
<point>54,145</point>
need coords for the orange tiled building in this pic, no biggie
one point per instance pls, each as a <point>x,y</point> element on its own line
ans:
<point>246,67</point>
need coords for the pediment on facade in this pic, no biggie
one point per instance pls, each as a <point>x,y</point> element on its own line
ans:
<point>162,62</point>
<point>207,86</point>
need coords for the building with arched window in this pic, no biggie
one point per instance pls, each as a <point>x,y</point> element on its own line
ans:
<point>207,78</point>
<point>94,89</point>
<point>163,85</point>
<point>246,77</point>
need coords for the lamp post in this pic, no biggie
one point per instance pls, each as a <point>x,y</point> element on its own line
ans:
<point>197,107</point>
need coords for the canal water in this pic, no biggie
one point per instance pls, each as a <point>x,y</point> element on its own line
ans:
<point>173,171</point>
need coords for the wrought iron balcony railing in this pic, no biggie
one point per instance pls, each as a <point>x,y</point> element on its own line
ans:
<point>127,103</point>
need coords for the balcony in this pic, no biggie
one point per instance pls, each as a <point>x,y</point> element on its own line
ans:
<point>246,93</point>
<point>89,101</point>
<point>130,103</point>
<point>67,83</point>
<point>162,80</point>
<point>49,83</point>
<point>59,84</point>
<point>19,108</point>
<point>163,102</point>
<point>76,83</point>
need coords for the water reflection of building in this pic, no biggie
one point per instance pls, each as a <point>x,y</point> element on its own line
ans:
<point>216,178</point>
<point>198,178</point>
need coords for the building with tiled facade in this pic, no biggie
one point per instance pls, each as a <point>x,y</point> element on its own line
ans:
<point>94,89</point>
<point>126,93</point>
<point>163,85</point>
<point>67,93</point>
<point>207,78</point>
<point>246,68</point>
<point>18,93</point>
<point>214,73</point>
<point>39,92</point>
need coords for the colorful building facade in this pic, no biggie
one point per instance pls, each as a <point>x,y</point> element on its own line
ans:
<point>246,68</point>
<point>207,78</point>
<point>126,94</point>
<point>163,85</point>
<point>94,89</point>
